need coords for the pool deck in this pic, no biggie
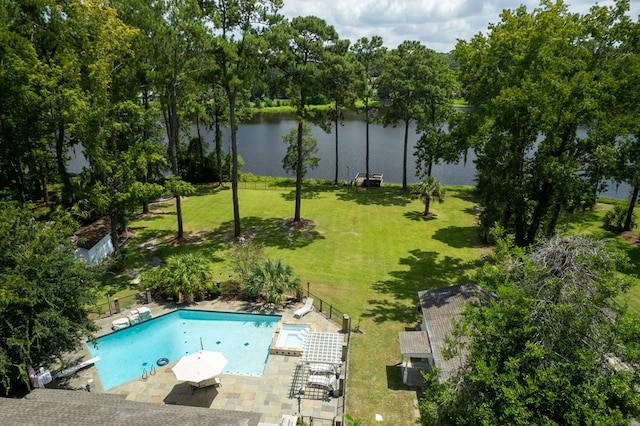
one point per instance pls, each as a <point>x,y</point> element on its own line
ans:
<point>268,394</point>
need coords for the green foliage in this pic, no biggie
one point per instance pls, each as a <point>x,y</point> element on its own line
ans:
<point>553,346</point>
<point>183,277</point>
<point>273,281</point>
<point>245,255</point>
<point>44,294</point>
<point>309,150</point>
<point>614,219</point>
<point>430,189</point>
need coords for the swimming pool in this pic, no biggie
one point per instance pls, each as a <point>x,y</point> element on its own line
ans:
<point>244,339</point>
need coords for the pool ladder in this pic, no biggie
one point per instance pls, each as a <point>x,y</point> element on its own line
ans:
<point>152,372</point>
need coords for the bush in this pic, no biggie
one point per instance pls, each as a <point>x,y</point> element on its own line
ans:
<point>614,219</point>
<point>213,292</point>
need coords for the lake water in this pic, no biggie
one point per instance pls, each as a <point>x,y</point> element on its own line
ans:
<point>261,147</point>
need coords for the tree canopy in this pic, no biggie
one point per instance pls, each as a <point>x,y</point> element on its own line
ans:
<point>554,346</point>
<point>44,294</point>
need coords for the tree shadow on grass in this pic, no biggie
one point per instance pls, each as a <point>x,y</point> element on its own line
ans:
<point>375,196</point>
<point>427,270</point>
<point>272,232</point>
<point>308,193</point>
<point>459,236</point>
<point>419,216</point>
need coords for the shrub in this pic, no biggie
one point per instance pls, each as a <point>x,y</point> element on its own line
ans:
<point>614,219</point>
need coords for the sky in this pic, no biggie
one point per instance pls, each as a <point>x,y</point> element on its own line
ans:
<point>437,24</point>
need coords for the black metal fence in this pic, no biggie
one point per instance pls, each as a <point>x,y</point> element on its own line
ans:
<point>337,316</point>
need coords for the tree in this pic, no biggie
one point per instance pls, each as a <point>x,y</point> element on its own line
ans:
<point>245,256</point>
<point>406,80</point>
<point>532,81</point>
<point>343,77</point>
<point>370,54</point>
<point>184,276</point>
<point>303,45</point>
<point>553,347</point>
<point>429,190</point>
<point>179,188</point>
<point>294,154</point>
<point>46,294</point>
<point>435,144</point>
<point>237,53</point>
<point>273,281</point>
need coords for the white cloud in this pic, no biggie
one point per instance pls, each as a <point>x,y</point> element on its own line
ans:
<point>438,24</point>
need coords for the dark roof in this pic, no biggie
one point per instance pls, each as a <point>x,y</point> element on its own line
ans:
<point>78,407</point>
<point>88,236</point>
<point>439,307</point>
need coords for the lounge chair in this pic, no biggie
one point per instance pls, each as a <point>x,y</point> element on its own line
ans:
<point>72,370</point>
<point>322,381</point>
<point>323,368</point>
<point>288,420</point>
<point>308,306</point>
<point>214,381</point>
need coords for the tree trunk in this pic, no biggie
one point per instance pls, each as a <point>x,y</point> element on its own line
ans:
<point>60,159</point>
<point>218,137</point>
<point>114,233</point>
<point>366,121</point>
<point>200,148</point>
<point>234,158</point>
<point>145,137</point>
<point>296,217</point>
<point>336,123</point>
<point>404,155</point>
<point>179,214</point>
<point>632,205</point>
<point>544,198</point>
<point>427,203</point>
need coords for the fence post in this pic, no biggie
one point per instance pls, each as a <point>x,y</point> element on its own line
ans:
<point>320,305</point>
<point>109,303</point>
<point>116,302</point>
<point>308,288</point>
<point>330,311</point>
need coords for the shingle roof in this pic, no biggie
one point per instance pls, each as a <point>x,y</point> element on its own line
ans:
<point>439,307</point>
<point>414,343</point>
<point>64,407</point>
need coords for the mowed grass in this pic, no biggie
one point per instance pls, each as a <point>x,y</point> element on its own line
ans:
<point>367,252</point>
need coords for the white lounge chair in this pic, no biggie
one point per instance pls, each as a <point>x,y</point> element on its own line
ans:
<point>72,370</point>
<point>214,381</point>
<point>322,381</point>
<point>308,306</point>
<point>323,368</point>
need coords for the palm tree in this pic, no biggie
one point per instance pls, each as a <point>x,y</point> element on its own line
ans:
<point>273,281</point>
<point>429,189</point>
<point>185,275</point>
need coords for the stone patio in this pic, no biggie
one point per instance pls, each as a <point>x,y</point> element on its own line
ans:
<point>272,395</point>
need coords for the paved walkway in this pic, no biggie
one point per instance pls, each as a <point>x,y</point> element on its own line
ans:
<point>273,394</point>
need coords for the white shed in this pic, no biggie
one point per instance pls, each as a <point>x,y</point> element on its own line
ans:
<point>93,242</point>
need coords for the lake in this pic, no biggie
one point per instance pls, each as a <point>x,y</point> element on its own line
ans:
<point>261,147</point>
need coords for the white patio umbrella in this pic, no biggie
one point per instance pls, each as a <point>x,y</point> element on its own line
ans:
<point>199,366</point>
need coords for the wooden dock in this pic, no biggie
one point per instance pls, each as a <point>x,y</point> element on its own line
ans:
<point>375,180</point>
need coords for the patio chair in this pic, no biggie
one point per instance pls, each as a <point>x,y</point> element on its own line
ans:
<point>308,306</point>
<point>322,381</point>
<point>323,368</point>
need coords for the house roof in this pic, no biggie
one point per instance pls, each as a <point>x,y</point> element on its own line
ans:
<point>414,343</point>
<point>88,236</point>
<point>439,307</point>
<point>64,407</point>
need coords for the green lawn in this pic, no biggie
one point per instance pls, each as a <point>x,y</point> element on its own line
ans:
<point>367,252</point>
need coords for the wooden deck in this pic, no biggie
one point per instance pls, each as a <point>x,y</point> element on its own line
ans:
<point>375,179</point>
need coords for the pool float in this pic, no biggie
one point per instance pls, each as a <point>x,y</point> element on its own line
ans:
<point>162,361</point>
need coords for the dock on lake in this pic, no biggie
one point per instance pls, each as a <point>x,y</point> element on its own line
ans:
<point>375,179</point>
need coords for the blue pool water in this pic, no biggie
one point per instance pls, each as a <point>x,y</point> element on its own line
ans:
<point>244,339</point>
